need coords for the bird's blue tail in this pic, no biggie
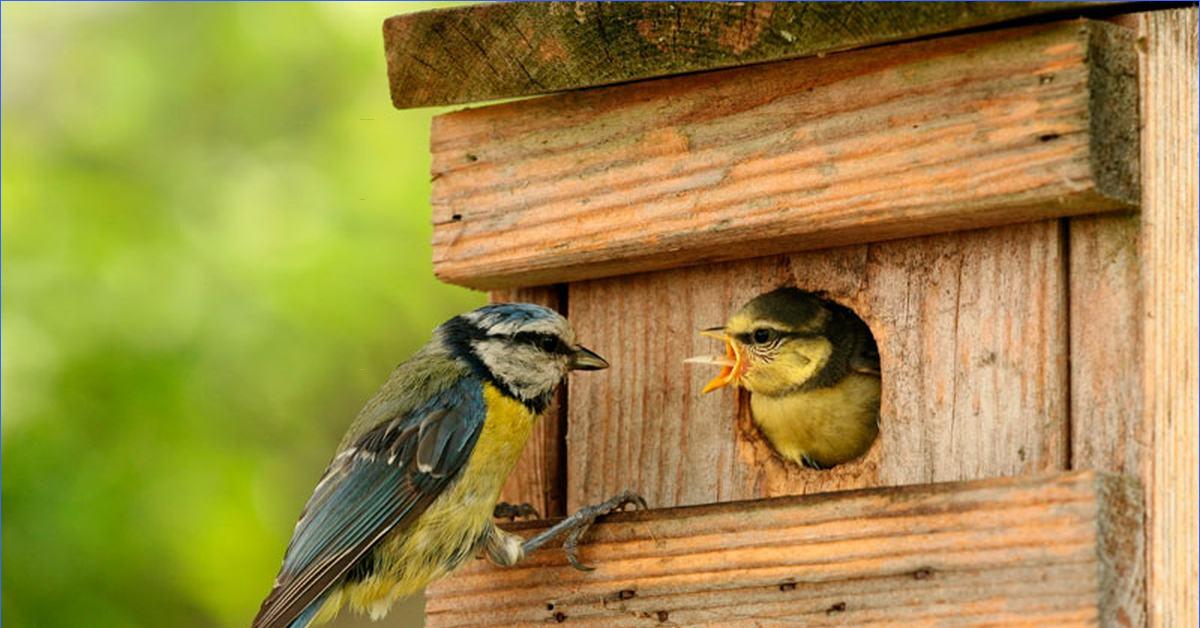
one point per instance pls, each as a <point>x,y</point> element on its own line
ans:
<point>305,618</point>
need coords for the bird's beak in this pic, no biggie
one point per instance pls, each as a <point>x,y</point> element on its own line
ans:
<point>583,359</point>
<point>731,363</point>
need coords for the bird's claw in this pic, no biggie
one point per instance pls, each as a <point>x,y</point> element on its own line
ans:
<point>512,512</point>
<point>588,515</point>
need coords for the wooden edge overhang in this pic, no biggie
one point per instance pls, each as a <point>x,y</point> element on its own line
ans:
<point>504,50</point>
<point>963,132</point>
<point>1035,550</point>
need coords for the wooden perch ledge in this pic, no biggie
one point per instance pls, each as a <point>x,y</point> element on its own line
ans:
<point>1048,550</point>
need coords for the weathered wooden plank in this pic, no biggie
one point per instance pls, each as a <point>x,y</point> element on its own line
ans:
<point>491,51</point>
<point>957,133</point>
<point>1031,550</point>
<point>539,478</point>
<point>1107,431</point>
<point>1168,68</point>
<point>971,328</point>
<point>1133,323</point>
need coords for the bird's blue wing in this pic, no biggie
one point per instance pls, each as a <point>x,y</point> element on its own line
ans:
<point>381,482</point>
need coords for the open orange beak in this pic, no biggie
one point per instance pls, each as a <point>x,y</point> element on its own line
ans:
<point>731,363</point>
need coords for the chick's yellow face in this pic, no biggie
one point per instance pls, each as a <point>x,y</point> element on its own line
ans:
<point>771,349</point>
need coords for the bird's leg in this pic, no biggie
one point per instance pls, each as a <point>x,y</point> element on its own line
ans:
<point>512,512</point>
<point>578,523</point>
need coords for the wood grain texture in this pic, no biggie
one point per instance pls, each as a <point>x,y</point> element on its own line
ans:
<point>1107,431</point>
<point>971,329</point>
<point>1169,277</point>
<point>491,51</point>
<point>957,133</point>
<point>539,477</point>
<point>1028,551</point>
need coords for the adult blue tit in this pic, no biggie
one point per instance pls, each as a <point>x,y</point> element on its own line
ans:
<point>812,369</point>
<point>411,491</point>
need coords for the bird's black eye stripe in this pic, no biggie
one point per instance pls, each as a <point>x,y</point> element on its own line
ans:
<point>546,342</point>
<point>764,335</point>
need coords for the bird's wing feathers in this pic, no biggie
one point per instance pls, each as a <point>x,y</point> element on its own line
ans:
<point>383,481</point>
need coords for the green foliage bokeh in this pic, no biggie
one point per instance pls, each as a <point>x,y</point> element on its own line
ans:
<point>215,247</point>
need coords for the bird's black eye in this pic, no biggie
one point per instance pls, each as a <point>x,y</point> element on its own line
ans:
<point>763,335</point>
<point>549,344</point>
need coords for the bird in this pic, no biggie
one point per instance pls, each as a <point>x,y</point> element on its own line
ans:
<point>812,369</point>
<point>413,487</point>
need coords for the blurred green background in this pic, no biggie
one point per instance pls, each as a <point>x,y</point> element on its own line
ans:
<point>215,246</point>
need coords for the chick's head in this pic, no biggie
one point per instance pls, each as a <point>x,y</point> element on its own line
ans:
<point>774,344</point>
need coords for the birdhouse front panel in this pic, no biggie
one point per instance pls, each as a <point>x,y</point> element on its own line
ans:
<point>1000,208</point>
<point>971,330</point>
<point>635,195</point>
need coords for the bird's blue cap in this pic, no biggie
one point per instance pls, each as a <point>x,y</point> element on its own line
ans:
<point>510,315</point>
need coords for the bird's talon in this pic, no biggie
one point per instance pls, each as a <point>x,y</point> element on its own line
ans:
<point>571,547</point>
<point>588,515</point>
<point>626,498</point>
<point>512,512</point>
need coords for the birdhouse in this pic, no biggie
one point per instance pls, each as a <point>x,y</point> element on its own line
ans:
<point>1004,193</point>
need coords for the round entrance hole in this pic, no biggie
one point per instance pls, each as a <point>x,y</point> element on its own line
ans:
<point>811,368</point>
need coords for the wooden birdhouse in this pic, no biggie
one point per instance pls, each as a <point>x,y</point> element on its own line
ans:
<point>1006,195</point>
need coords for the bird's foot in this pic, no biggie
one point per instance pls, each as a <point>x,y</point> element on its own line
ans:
<point>512,512</point>
<point>587,516</point>
<point>576,525</point>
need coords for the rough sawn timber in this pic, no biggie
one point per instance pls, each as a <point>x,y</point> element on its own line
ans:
<point>928,137</point>
<point>1134,336</point>
<point>1170,255</point>
<point>496,50</point>
<point>972,335</point>
<point>1039,550</point>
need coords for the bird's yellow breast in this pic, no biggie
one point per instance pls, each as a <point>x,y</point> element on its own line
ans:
<point>449,530</point>
<point>828,426</point>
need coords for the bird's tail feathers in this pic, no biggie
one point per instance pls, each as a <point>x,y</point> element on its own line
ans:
<point>305,618</point>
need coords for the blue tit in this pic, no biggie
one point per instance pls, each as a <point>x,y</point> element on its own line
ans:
<point>411,491</point>
<point>812,369</point>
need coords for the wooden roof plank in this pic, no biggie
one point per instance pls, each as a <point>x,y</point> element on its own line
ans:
<point>954,133</point>
<point>492,51</point>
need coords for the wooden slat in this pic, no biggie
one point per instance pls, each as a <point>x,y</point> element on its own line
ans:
<point>1107,432</point>
<point>1034,550</point>
<point>491,51</point>
<point>1133,323</point>
<point>971,328</point>
<point>971,131</point>
<point>538,479</point>
<point>1169,277</point>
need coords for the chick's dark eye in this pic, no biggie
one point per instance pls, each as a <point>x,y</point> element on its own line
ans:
<point>763,336</point>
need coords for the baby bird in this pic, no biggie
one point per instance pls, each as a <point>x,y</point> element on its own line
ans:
<point>411,492</point>
<point>812,370</point>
